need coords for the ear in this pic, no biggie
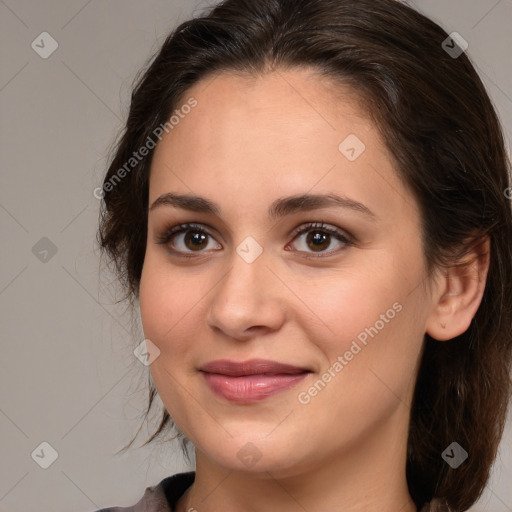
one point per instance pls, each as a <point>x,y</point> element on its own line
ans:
<point>458,294</point>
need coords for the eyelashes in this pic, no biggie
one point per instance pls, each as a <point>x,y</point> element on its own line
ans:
<point>201,235</point>
<point>326,231</point>
<point>170,233</point>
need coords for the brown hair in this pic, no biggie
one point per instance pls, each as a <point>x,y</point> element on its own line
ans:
<point>440,126</point>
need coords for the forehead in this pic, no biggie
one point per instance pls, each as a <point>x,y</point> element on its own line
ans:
<point>279,105</point>
<point>274,133</point>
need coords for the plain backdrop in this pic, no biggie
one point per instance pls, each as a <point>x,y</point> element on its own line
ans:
<point>68,375</point>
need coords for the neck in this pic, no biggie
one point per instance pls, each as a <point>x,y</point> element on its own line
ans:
<point>370,477</point>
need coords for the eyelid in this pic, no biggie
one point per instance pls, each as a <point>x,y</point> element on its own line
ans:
<point>164,238</point>
<point>320,226</point>
<point>341,235</point>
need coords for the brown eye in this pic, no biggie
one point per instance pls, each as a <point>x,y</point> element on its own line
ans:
<point>320,237</point>
<point>318,240</point>
<point>195,240</point>
<point>185,238</point>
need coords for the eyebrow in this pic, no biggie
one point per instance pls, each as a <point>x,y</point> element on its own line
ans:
<point>279,208</point>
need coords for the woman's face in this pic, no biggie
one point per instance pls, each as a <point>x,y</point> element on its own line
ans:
<point>351,310</point>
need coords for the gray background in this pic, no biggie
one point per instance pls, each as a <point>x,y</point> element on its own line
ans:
<point>68,375</point>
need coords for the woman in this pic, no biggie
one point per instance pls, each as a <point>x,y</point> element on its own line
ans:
<point>310,203</point>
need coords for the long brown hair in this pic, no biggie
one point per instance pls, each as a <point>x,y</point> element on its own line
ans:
<point>440,126</point>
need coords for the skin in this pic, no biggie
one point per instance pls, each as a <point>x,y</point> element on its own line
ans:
<point>248,142</point>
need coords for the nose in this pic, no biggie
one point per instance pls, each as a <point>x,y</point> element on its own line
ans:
<point>249,299</point>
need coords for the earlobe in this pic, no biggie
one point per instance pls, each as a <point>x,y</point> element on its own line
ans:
<point>459,293</point>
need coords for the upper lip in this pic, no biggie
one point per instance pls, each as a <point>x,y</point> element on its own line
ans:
<point>251,367</point>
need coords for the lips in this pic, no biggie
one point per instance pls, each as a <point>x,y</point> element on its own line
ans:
<point>246,382</point>
<point>252,367</point>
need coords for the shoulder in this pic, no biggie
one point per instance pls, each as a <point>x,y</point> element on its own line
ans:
<point>160,497</point>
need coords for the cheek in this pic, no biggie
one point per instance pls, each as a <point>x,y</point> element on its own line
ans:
<point>375,359</point>
<point>344,303</point>
<point>368,373</point>
<point>166,303</point>
<point>165,298</point>
<point>368,328</point>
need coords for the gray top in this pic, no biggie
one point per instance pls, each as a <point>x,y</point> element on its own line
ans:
<point>163,496</point>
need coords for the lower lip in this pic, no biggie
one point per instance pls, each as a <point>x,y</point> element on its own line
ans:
<point>251,388</point>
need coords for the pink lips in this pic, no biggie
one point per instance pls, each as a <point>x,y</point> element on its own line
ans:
<point>250,381</point>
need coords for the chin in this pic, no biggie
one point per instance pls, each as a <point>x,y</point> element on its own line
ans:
<point>258,455</point>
